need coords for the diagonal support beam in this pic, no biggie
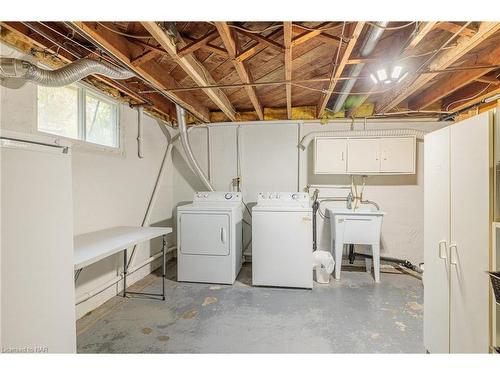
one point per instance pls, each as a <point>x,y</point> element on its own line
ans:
<point>464,45</point>
<point>337,72</point>
<point>197,44</point>
<point>243,72</point>
<point>287,36</point>
<point>455,81</point>
<point>122,49</point>
<point>193,68</point>
<point>423,30</point>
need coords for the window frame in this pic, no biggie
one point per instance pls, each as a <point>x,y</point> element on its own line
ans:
<point>81,142</point>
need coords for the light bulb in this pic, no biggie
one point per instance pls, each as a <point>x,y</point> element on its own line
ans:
<point>396,72</point>
<point>381,74</point>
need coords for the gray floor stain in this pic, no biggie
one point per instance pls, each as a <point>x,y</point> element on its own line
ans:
<point>353,315</point>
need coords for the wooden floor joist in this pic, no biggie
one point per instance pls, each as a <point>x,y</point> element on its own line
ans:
<point>287,36</point>
<point>152,71</point>
<point>228,39</point>
<point>338,70</point>
<point>193,68</point>
<point>454,81</point>
<point>442,61</point>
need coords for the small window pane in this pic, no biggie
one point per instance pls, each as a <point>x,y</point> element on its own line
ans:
<point>101,121</point>
<point>58,110</point>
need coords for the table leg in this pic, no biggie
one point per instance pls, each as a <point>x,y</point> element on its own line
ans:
<point>124,272</point>
<point>164,266</point>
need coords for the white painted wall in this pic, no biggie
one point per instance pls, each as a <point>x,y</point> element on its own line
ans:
<point>270,161</point>
<point>109,188</point>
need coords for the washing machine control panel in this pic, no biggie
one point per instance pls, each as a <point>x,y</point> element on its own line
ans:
<point>217,196</point>
<point>283,198</point>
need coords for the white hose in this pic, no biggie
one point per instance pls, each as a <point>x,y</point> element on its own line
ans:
<point>360,133</point>
<point>181,120</point>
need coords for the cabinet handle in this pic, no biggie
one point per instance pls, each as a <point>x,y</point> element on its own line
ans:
<point>222,235</point>
<point>384,155</point>
<point>453,254</point>
<point>342,155</point>
<point>441,248</point>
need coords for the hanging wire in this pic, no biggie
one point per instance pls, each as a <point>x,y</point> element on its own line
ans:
<point>472,97</point>
<point>124,34</point>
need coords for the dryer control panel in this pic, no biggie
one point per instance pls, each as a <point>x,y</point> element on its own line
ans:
<point>217,196</point>
<point>284,198</point>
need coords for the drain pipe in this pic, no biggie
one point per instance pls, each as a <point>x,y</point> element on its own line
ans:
<point>140,111</point>
<point>368,46</point>
<point>181,120</point>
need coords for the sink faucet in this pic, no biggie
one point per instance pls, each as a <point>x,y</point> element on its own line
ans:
<point>350,198</point>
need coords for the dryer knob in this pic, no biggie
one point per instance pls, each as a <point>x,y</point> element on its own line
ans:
<point>295,196</point>
<point>228,196</point>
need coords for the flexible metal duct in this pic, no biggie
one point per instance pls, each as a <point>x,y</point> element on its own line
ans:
<point>419,134</point>
<point>368,46</point>
<point>181,120</point>
<point>75,71</point>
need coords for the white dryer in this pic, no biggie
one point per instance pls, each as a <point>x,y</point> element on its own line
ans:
<point>209,238</point>
<point>282,240</point>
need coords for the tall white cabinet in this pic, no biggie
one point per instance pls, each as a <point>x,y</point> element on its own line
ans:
<point>37,295</point>
<point>457,216</point>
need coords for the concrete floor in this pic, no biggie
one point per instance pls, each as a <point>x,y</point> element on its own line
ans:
<point>354,315</point>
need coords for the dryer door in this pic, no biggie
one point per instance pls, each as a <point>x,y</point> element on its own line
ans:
<point>205,233</point>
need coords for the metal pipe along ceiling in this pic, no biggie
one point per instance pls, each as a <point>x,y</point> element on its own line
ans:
<point>368,46</point>
<point>68,74</point>
<point>181,120</point>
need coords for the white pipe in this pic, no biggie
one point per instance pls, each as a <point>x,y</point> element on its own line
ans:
<point>360,133</point>
<point>154,194</point>
<point>139,131</point>
<point>367,48</point>
<point>87,295</point>
<point>181,121</point>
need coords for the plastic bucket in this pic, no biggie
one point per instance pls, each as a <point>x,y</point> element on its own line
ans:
<point>322,275</point>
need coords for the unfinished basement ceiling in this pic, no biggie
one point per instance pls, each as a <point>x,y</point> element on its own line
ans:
<point>234,71</point>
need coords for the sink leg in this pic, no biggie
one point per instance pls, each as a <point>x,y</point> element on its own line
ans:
<point>338,258</point>
<point>368,265</point>
<point>376,261</point>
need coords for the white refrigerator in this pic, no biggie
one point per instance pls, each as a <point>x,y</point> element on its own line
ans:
<point>37,282</point>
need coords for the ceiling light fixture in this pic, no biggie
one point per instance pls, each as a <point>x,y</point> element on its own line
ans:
<point>396,75</point>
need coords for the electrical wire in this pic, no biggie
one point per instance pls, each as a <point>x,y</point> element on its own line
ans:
<point>124,34</point>
<point>472,97</point>
<point>272,27</point>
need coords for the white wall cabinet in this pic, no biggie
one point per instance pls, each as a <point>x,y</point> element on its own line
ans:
<point>366,155</point>
<point>457,217</point>
<point>331,155</point>
<point>397,155</point>
<point>363,155</point>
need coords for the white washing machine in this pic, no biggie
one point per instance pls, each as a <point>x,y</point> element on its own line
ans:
<point>209,238</point>
<point>282,240</point>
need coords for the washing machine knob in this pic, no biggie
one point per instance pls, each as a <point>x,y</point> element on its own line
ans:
<point>228,196</point>
<point>295,196</point>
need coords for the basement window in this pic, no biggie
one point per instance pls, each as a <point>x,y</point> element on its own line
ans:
<point>78,112</point>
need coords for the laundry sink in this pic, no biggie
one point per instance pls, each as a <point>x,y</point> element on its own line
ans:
<point>361,227</point>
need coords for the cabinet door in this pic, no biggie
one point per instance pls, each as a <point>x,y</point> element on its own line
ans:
<point>330,156</point>
<point>470,227</point>
<point>363,155</point>
<point>397,155</point>
<point>436,239</point>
